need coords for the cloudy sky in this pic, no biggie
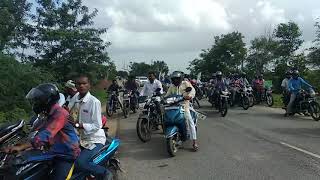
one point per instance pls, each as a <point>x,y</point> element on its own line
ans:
<point>176,30</point>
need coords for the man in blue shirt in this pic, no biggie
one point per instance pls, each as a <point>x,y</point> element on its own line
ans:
<point>295,85</point>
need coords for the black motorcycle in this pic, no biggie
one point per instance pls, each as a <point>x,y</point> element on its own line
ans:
<point>11,134</point>
<point>150,118</point>
<point>113,104</point>
<point>222,102</point>
<point>306,104</point>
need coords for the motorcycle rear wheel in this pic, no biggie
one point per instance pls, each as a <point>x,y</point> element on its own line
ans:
<point>109,109</point>
<point>315,111</point>
<point>143,129</point>
<point>224,109</point>
<point>172,146</point>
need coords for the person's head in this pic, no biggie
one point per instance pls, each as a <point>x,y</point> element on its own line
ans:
<point>83,84</point>
<point>260,76</point>
<point>219,75</point>
<point>43,97</point>
<point>295,74</point>
<point>193,82</point>
<point>151,76</point>
<point>71,88</point>
<point>176,78</point>
<point>288,74</point>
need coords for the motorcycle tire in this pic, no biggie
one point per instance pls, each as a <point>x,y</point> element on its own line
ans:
<point>251,101</point>
<point>314,111</point>
<point>114,173</point>
<point>109,109</point>
<point>224,109</point>
<point>143,129</point>
<point>269,100</point>
<point>125,112</point>
<point>172,146</point>
<point>245,102</point>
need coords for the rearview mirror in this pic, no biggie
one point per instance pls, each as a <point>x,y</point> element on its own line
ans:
<point>188,89</point>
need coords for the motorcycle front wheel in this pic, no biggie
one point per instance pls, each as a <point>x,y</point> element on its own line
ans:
<point>109,108</point>
<point>144,129</point>
<point>245,102</point>
<point>172,146</point>
<point>315,111</point>
<point>251,100</point>
<point>269,100</point>
<point>224,108</point>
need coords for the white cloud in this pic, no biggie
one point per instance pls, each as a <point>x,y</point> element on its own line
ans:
<point>316,14</point>
<point>271,13</point>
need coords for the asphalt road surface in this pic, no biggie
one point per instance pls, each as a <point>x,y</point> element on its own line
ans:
<point>255,144</point>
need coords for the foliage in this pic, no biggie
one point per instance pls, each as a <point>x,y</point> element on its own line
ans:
<point>123,74</point>
<point>17,79</point>
<point>227,54</point>
<point>65,41</point>
<point>314,55</point>
<point>13,27</point>
<point>142,69</point>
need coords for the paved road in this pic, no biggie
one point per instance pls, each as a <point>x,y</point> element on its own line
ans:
<point>255,144</point>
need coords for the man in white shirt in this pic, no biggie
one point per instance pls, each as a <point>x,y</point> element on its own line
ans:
<point>89,126</point>
<point>151,86</point>
<point>285,88</point>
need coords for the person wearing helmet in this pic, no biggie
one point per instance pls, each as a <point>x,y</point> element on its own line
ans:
<point>285,88</point>
<point>178,87</point>
<point>54,131</point>
<point>244,79</point>
<point>296,83</point>
<point>219,86</point>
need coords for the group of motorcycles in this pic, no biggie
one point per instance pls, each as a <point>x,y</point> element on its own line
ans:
<point>35,164</point>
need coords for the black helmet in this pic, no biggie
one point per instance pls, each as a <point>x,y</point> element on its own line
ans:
<point>176,78</point>
<point>43,97</point>
<point>295,73</point>
<point>218,73</point>
<point>289,72</point>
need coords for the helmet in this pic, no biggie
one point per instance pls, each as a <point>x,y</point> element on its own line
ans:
<point>218,73</point>
<point>295,73</point>
<point>43,97</point>
<point>289,72</point>
<point>176,78</point>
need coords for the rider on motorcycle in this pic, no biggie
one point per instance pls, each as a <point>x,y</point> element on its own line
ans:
<point>219,86</point>
<point>133,86</point>
<point>178,87</point>
<point>295,84</point>
<point>244,79</point>
<point>285,88</point>
<point>54,131</point>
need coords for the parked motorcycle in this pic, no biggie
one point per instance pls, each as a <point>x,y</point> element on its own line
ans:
<point>175,124</point>
<point>305,103</point>
<point>37,164</point>
<point>249,91</point>
<point>150,117</point>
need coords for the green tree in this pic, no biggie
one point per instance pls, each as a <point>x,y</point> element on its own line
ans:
<point>13,27</point>
<point>261,54</point>
<point>160,67</point>
<point>314,55</point>
<point>123,74</point>
<point>227,54</point>
<point>65,41</point>
<point>139,69</point>
<point>15,82</point>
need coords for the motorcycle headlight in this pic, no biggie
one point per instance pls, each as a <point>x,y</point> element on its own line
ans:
<point>225,93</point>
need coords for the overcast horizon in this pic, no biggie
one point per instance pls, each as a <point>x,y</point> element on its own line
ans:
<point>176,31</point>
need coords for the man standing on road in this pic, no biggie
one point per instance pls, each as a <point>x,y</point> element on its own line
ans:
<point>72,92</point>
<point>89,126</point>
<point>285,88</point>
<point>151,86</point>
<point>178,87</point>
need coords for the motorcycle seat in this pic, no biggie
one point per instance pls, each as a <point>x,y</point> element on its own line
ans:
<point>8,127</point>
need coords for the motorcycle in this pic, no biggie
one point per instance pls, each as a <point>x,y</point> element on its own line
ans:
<point>113,104</point>
<point>150,118</point>
<point>305,103</point>
<point>249,92</point>
<point>37,164</point>
<point>175,124</point>
<point>11,134</point>
<point>223,102</point>
<point>267,97</point>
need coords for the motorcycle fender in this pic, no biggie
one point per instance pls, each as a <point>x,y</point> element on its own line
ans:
<point>171,131</point>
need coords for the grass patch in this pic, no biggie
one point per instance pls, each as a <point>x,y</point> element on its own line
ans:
<point>277,98</point>
<point>100,94</point>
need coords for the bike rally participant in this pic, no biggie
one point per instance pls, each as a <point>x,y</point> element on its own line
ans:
<point>220,85</point>
<point>71,92</point>
<point>55,130</point>
<point>285,88</point>
<point>178,87</point>
<point>151,85</point>
<point>295,84</point>
<point>133,86</point>
<point>89,125</point>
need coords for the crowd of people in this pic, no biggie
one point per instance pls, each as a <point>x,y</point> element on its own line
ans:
<point>73,125</point>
